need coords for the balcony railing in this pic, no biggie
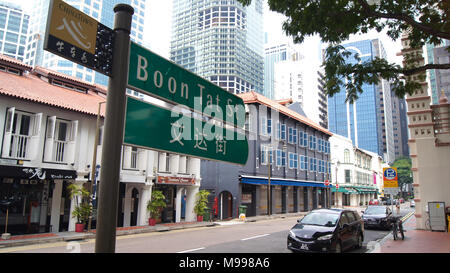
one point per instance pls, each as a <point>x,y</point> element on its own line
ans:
<point>59,147</point>
<point>19,146</point>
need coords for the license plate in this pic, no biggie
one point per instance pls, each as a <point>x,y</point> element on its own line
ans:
<point>304,247</point>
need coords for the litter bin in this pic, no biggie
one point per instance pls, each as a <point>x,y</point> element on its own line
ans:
<point>242,212</point>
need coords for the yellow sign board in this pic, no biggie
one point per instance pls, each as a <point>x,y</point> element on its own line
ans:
<point>73,26</point>
<point>390,177</point>
<point>78,37</point>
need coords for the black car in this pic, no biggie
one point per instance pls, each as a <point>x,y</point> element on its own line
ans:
<point>327,230</point>
<point>377,217</point>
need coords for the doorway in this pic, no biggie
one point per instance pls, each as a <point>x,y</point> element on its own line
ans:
<point>226,205</point>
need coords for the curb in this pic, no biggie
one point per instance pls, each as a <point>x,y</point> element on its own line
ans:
<point>389,235</point>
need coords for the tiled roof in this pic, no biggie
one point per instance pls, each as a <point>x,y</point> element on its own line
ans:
<point>253,97</point>
<point>31,87</point>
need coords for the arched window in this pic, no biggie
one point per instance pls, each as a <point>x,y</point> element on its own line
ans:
<point>346,156</point>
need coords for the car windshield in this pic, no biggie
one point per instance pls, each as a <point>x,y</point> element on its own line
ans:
<point>320,219</point>
<point>375,210</point>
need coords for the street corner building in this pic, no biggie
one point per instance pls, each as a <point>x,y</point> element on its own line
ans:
<point>288,153</point>
<point>49,126</point>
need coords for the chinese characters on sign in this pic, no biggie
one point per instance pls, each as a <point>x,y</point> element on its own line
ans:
<point>153,127</point>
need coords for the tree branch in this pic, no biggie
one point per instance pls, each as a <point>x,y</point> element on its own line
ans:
<point>405,18</point>
<point>411,71</point>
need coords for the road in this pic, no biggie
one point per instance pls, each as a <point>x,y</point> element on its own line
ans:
<point>265,236</point>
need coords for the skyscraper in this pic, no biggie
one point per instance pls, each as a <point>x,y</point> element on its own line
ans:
<point>221,41</point>
<point>368,121</point>
<point>102,11</point>
<point>13,30</point>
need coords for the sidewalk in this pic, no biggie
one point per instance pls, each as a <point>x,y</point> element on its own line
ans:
<point>416,241</point>
<point>42,238</point>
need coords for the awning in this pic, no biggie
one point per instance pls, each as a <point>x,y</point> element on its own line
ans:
<point>282,182</point>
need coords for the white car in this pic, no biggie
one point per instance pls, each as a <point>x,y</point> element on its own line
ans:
<point>412,204</point>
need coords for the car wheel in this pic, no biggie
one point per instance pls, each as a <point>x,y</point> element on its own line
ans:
<point>359,241</point>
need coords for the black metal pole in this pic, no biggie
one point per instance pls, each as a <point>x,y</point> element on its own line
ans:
<point>113,133</point>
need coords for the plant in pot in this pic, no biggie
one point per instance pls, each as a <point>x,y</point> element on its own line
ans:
<point>201,205</point>
<point>82,208</point>
<point>155,205</point>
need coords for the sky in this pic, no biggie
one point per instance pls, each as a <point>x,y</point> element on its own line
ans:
<point>158,31</point>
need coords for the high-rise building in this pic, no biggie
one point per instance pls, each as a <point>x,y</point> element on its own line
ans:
<point>100,10</point>
<point>221,41</point>
<point>273,54</point>
<point>438,79</point>
<point>290,75</point>
<point>14,25</point>
<point>400,126</point>
<point>368,121</point>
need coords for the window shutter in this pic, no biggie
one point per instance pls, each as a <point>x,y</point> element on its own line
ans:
<point>51,123</point>
<point>74,131</point>
<point>37,124</point>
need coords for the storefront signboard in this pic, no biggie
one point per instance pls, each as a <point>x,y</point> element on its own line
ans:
<point>175,180</point>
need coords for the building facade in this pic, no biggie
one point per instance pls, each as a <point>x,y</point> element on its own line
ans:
<point>358,173</point>
<point>48,122</point>
<point>285,148</point>
<point>429,140</point>
<point>221,41</point>
<point>368,121</point>
<point>14,27</point>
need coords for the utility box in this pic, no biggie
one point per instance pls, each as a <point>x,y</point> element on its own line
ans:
<point>437,215</point>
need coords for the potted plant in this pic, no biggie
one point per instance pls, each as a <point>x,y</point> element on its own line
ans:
<point>82,208</point>
<point>201,204</point>
<point>155,205</point>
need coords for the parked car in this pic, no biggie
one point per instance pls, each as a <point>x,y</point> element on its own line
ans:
<point>401,200</point>
<point>412,203</point>
<point>327,230</point>
<point>374,202</point>
<point>377,216</point>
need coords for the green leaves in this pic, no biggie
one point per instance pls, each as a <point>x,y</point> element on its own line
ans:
<point>156,204</point>
<point>334,21</point>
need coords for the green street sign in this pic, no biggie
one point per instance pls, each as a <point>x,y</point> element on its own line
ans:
<point>150,126</point>
<point>161,78</point>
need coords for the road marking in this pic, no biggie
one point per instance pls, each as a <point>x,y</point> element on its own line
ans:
<point>254,237</point>
<point>191,250</point>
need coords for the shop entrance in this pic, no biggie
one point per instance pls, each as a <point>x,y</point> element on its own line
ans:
<point>226,205</point>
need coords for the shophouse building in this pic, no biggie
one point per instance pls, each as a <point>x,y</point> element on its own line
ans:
<point>48,124</point>
<point>357,172</point>
<point>287,151</point>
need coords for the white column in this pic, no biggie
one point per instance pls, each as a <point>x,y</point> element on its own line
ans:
<point>56,205</point>
<point>126,157</point>
<point>174,164</point>
<point>127,206</point>
<point>144,197</point>
<point>182,164</point>
<point>162,162</point>
<point>190,203</point>
<point>73,203</point>
<point>178,204</point>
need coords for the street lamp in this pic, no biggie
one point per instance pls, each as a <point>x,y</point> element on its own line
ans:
<point>94,159</point>
<point>337,163</point>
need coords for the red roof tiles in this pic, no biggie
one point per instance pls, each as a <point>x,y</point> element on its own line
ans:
<point>253,97</point>
<point>31,87</point>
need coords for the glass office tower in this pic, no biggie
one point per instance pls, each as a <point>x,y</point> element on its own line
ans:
<point>14,25</point>
<point>368,121</point>
<point>102,11</point>
<point>221,41</point>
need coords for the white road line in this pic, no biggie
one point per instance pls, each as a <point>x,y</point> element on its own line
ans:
<point>254,237</point>
<point>191,250</point>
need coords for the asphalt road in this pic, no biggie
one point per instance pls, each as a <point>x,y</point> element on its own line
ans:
<point>266,236</point>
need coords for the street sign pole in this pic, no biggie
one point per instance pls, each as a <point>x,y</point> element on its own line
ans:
<point>113,133</point>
